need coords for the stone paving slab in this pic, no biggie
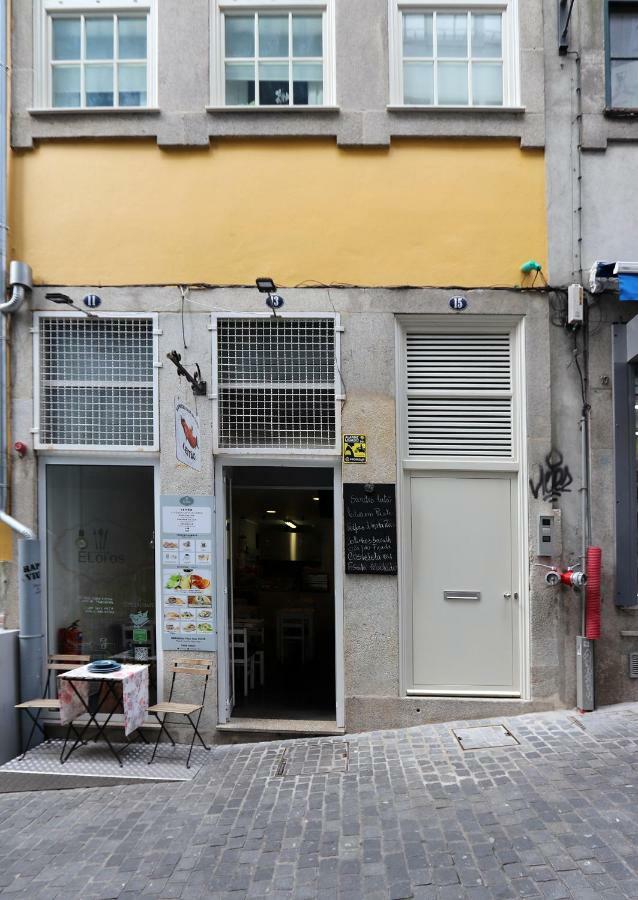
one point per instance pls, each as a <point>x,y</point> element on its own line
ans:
<point>411,815</point>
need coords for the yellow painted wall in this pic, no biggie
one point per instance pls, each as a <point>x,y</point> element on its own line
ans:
<point>6,542</point>
<point>423,212</point>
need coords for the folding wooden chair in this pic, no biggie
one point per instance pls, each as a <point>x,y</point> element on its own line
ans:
<point>182,667</point>
<point>57,662</point>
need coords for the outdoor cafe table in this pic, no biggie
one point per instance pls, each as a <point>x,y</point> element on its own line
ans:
<point>132,701</point>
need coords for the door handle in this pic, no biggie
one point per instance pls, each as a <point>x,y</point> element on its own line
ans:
<point>508,595</point>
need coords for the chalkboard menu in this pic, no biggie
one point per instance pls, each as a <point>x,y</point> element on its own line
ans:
<point>370,525</point>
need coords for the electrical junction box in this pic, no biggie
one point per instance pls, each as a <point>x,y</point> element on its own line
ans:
<point>549,543</point>
<point>575,296</point>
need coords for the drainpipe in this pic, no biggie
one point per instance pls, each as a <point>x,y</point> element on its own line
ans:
<point>20,279</point>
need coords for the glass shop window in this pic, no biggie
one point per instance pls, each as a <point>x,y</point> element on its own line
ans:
<point>101,563</point>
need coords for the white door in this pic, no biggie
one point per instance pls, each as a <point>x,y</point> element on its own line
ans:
<point>465,607</point>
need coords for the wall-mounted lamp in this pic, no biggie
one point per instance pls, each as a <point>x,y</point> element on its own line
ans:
<point>274,300</point>
<point>65,300</point>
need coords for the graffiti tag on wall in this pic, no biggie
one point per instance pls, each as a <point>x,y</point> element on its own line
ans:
<point>554,478</point>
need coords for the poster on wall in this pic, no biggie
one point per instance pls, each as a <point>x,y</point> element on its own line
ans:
<point>187,436</point>
<point>189,613</point>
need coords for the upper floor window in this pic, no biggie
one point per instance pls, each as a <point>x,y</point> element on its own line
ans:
<point>95,55</point>
<point>269,55</point>
<point>455,55</point>
<point>623,56</point>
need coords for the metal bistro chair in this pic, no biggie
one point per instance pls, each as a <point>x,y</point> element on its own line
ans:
<point>57,662</point>
<point>182,667</point>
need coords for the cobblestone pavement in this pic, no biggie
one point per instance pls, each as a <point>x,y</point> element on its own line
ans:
<point>385,815</point>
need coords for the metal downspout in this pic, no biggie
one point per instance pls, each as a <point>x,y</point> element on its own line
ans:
<point>29,586</point>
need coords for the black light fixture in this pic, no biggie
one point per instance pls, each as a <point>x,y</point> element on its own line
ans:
<point>266,285</point>
<point>65,300</point>
<point>273,301</point>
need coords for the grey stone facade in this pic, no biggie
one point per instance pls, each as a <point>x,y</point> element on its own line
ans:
<point>591,160</point>
<point>591,200</point>
<point>361,117</point>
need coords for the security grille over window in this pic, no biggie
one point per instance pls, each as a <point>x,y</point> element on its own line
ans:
<point>97,382</point>
<point>276,383</point>
<point>459,390</point>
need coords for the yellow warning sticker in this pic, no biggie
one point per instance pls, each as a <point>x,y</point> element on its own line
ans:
<point>355,448</point>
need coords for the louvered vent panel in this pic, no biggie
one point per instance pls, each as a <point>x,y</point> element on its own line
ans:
<point>96,382</point>
<point>459,395</point>
<point>276,383</point>
<point>459,362</point>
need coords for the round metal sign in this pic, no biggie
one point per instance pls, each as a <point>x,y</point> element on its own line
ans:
<point>91,300</point>
<point>458,303</point>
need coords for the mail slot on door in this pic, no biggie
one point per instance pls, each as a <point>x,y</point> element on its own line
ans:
<point>461,595</point>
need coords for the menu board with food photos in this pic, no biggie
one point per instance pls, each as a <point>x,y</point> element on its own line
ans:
<point>189,615</point>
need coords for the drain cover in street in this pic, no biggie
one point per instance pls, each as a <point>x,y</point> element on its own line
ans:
<point>314,758</point>
<point>482,737</point>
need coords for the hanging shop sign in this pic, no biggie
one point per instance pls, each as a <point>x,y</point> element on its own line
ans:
<point>370,529</point>
<point>355,448</point>
<point>187,436</point>
<point>189,611</point>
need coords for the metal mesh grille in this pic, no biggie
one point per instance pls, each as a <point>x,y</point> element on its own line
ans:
<point>459,395</point>
<point>96,382</point>
<point>276,383</point>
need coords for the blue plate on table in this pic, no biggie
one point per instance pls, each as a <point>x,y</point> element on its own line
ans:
<point>104,665</point>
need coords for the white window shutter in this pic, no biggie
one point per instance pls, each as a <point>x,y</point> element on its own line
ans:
<point>459,395</point>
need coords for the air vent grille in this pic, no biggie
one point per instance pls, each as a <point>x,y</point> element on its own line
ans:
<point>459,395</point>
<point>633,665</point>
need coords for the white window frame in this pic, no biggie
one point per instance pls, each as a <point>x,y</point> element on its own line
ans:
<point>219,8</point>
<point>274,452</point>
<point>43,10</point>
<point>89,449</point>
<point>511,58</point>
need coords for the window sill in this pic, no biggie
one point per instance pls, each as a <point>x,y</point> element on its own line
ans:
<point>400,108</point>
<point>95,110</point>
<point>618,112</point>
<point>269,110</point>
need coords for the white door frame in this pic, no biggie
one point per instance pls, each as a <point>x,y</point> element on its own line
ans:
<point>334,463</point>
<point>516,468</point>
<point>89,459</point>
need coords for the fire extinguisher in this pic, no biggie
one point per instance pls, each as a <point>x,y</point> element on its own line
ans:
<point>70,639</point>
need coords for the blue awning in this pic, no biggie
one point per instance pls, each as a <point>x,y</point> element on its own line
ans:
<point>628,285</point>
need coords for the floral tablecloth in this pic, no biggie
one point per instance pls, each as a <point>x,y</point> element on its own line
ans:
<point>134,681</point>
